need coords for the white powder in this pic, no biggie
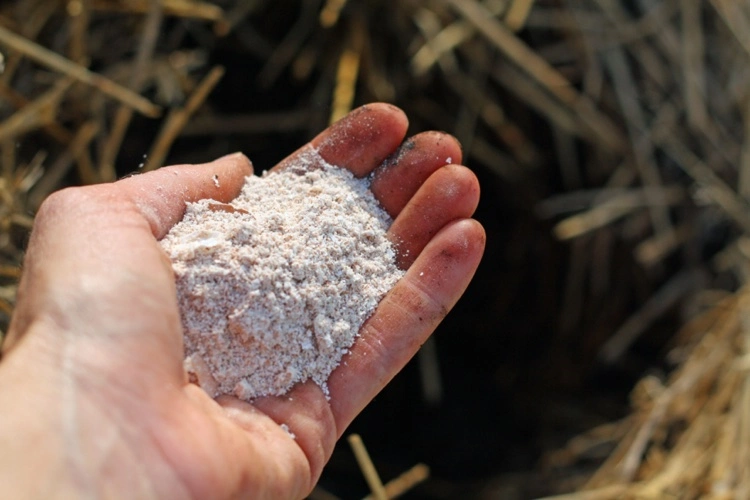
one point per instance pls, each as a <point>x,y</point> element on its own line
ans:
<point>274,287</point>
<point>286,429</point>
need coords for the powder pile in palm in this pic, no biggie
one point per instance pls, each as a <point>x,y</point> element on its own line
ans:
<point>274,287</point>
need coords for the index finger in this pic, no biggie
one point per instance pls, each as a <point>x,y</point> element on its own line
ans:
<point>360,141</point>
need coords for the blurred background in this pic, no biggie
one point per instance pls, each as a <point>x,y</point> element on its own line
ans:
<point>601,347</point>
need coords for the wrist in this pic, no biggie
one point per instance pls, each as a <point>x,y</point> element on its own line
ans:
<point>59,439</point>
<point>31,464</point>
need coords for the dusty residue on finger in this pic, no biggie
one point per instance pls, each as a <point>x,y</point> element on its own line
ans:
<point>395,158</point>
<point>402,174</point>
<point>363,139</point>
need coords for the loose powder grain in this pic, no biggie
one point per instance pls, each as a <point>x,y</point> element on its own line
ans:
<point>274,287</point>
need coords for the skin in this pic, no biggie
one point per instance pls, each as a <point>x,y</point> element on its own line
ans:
<point>95,402</point>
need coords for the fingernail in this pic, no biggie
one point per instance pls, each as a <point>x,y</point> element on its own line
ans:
<point>237,156</point>
<point>230,155</point>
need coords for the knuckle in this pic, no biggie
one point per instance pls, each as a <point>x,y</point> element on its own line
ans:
<point>70,201</point>
<point>57,203</point>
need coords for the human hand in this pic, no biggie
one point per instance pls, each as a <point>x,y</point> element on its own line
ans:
<point>94,397</point>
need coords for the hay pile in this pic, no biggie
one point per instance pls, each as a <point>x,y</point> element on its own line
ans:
<point>612,140</point>
<point>677,75</point>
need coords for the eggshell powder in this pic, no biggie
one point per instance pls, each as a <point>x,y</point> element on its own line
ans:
<point>274,287</point>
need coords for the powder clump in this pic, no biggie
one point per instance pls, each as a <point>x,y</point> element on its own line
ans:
<point>274,287</point>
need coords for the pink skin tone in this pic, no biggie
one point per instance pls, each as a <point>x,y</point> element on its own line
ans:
<point>95,400</point>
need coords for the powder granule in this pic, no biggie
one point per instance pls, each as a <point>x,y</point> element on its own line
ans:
<point>274,287</point>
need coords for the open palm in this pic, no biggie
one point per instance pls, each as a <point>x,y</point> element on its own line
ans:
<point>92,366</point>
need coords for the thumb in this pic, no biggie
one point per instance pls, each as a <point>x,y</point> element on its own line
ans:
<point>93,268</point>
